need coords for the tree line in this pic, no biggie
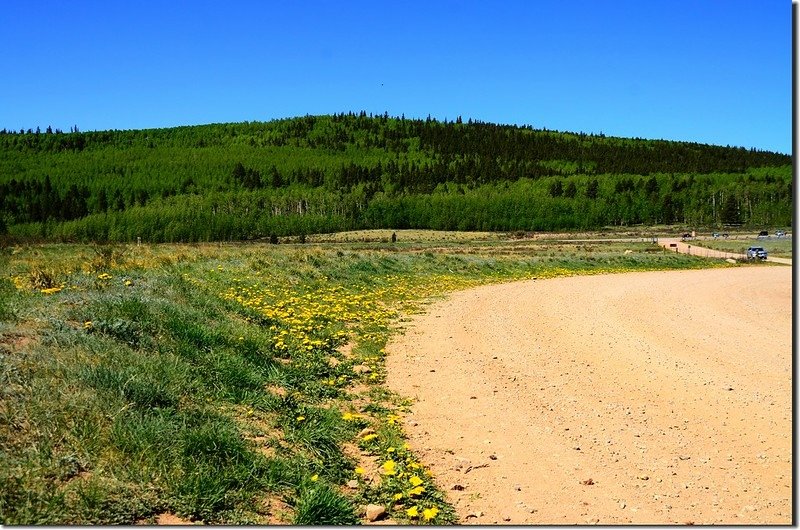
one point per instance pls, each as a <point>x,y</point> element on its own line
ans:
<point>328,173</point>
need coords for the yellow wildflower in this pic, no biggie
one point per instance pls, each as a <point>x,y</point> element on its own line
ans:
<point>389,467</point>
<point>415,480</point>
<point>412,512</point>
<point>368,437</point>
<point>398,496</point>
<point>301,418</point>
<point>359,471</point>
<point>419,490</point>
<point>314,478</point>
<point>430,513</point>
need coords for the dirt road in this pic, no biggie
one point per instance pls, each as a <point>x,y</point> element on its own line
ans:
<point>660,397</point>
<point>697,249</point>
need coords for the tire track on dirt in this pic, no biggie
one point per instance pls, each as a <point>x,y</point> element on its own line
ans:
<point>657,397</point>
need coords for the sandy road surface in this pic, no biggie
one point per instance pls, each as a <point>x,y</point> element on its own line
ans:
<point>660,397</point>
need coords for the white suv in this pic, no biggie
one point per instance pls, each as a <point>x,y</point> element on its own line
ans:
<point>756,253</point>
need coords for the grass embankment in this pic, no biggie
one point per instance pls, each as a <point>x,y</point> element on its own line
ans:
<point>230,384</point>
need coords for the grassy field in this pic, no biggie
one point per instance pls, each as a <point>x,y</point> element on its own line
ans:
<point>775,247</point>
<point>234,383</point>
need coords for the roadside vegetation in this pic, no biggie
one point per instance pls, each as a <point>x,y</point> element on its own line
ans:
<point>233,383</point>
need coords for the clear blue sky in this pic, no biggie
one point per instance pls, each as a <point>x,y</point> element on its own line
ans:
<point>710,71</point>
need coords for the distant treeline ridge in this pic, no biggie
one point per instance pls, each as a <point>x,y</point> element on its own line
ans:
<point>346,171</point>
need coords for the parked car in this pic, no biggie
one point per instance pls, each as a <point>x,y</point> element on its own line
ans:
<point>756,253</point>
<point>779,233</point>
<point>763,233</point>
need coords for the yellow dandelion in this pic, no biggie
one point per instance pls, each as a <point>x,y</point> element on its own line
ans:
<point>301,418</point>
<point>398,496</point>
<point>412,512</point>
<point>359,471</point>
<point>369,437</point>
<point>314,478</point>
<point>430,513</point>
<point>419,490</point>
<point>389,467</point>
<point>415,480</point>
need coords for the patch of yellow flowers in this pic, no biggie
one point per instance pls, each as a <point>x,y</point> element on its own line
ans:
<point>403,479</point>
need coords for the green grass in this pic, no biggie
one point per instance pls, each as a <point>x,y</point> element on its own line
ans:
<point>320,504</point>
<point>206,380</point>
<point>775,247</point>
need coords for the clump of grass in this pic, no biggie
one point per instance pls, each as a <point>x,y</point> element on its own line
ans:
<point>101,501</point>
<point>42,278</point>
<point>108,256</point>
<point>7,300</point>
<point>137,388</point>
<point>319,504</point>
<point>320,433</point>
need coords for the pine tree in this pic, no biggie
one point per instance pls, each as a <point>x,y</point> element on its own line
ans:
<point>730,211</point>
<point>592,189</point>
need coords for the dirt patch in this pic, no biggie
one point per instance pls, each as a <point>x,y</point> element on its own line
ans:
<point>15,342</point>
<point>170,519</point>
<point>640,398</point>
<point>275,511</point>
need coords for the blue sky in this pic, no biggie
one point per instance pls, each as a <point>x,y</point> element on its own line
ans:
<point>699,70</point>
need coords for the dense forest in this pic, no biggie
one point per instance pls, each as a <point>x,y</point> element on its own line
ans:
<point>345,171</point>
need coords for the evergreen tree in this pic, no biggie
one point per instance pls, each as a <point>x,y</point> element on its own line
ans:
<point>730,211</point>
<point>556,189</point>
<point>592,189</point>
<point>102,200</point>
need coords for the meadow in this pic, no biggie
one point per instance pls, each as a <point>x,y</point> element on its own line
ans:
<point>775,247</point>
<point>235,383</point>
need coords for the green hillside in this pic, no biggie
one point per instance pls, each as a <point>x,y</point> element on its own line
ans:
<point>349,171</point>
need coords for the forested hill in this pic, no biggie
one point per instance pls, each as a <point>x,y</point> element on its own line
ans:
<point>329,173</point>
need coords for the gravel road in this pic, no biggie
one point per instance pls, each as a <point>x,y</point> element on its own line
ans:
<point>656,397</point>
